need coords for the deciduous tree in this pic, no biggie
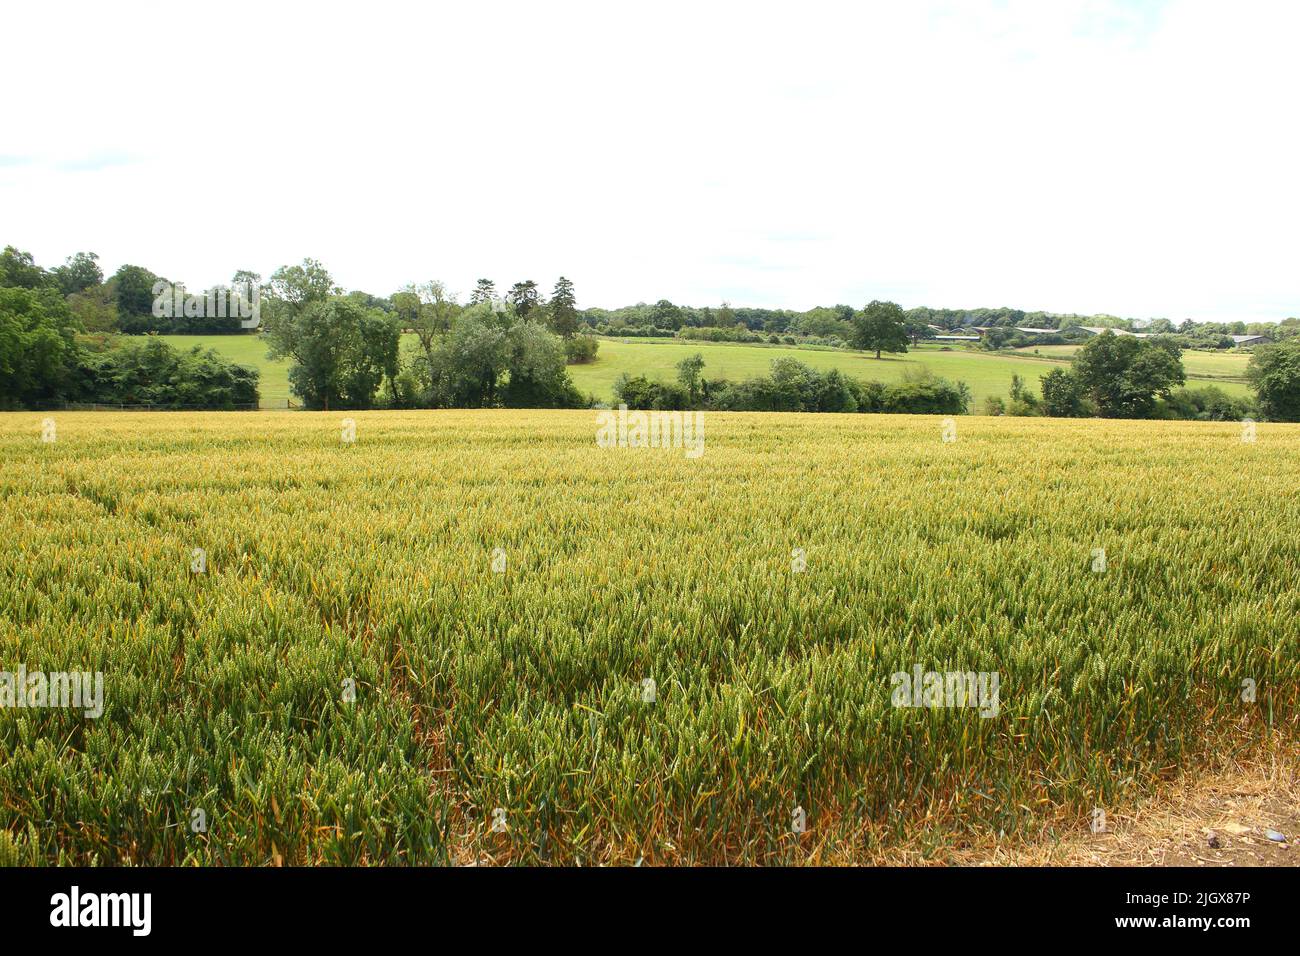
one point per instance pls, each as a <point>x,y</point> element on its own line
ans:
<point>79,272</point>
<point>879,328</point>
<point>18,270</point>
<point>689,372</point>
<point>1123,375</point>
<point>1274,371</point>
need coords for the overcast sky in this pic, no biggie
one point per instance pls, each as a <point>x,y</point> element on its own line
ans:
<point>1136,158</point>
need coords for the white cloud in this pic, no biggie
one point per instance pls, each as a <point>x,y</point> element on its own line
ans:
<point>1073,156</point>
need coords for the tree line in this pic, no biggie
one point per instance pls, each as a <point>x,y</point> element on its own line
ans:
<point>793,386</point>
<point>123,302</point>
<point>58,329</point>
<point>834,325</point>
<point>57,346</point>
<point>68,334</point>
<point>1114,376</point>
<point>345,349</point>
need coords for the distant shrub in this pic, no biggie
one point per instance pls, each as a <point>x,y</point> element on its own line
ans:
<point>792,386</point>
<point>580,349</point>
<point>935,396</point>
<point>1023,402</point>
<point>633,332</point>
<point>1063,395</point>
<point>402,393</point>
<point>714,334</point>
<point>151,372</point>
<point>1206,404</point>
<point>637,391</point>
<point>1024,407</point>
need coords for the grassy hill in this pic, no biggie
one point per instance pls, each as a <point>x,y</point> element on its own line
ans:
<point>987,373</point>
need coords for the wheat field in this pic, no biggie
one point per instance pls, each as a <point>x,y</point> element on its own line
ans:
<point>479,636</point>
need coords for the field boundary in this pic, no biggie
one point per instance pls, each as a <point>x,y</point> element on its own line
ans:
<point>101,407</point>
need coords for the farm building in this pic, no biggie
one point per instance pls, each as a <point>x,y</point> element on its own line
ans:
<point>1097,330</point>
<point>1026,329</point>
<point>1242,341</point>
